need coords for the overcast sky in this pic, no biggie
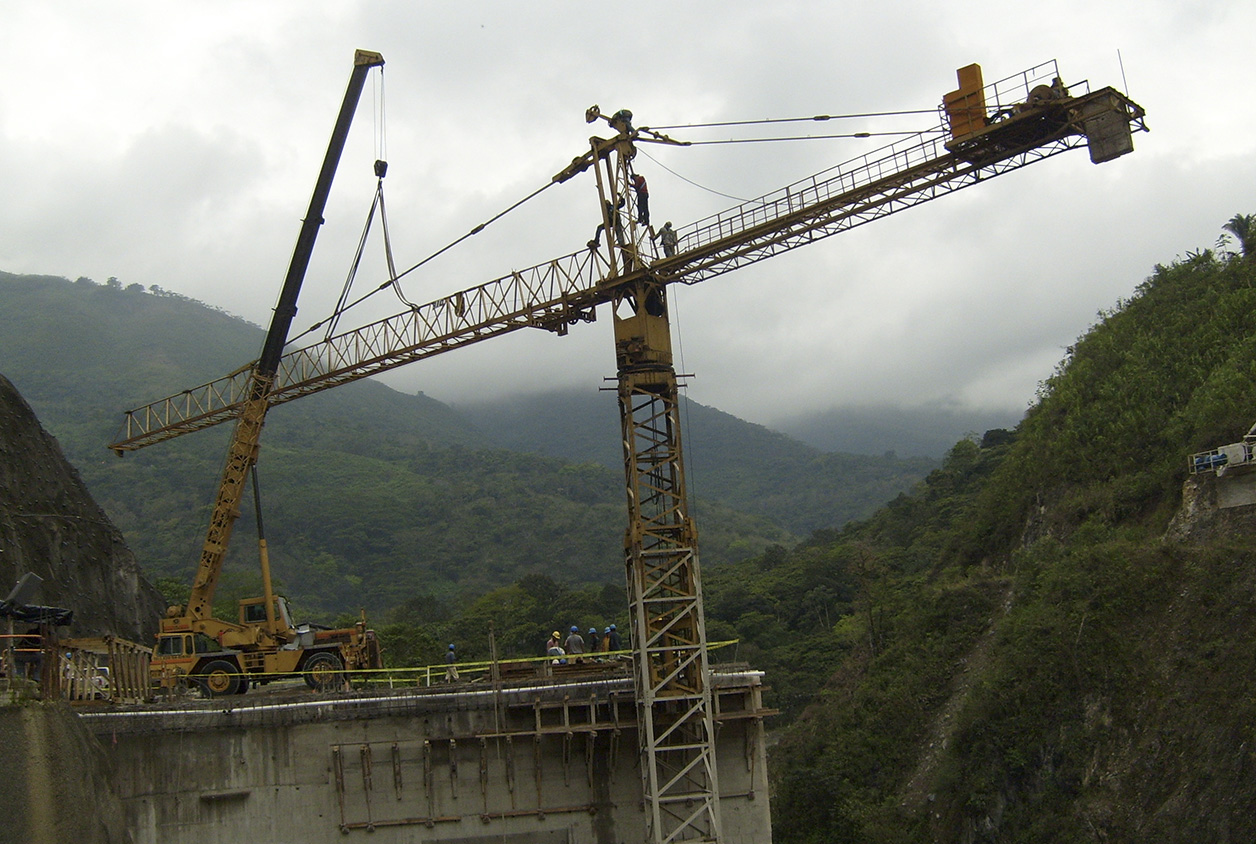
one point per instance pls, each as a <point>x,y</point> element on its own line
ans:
<point>177,144</point>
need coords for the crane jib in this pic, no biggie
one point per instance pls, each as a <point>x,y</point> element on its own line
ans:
<point>286,309</point>
<point>565,290</point>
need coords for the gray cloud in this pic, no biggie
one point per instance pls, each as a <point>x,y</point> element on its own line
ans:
<point>180,148</point>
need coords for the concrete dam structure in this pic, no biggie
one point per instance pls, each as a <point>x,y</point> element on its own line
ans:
<point>554,761</point>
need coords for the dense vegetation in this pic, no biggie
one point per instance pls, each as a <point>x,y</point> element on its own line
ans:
<point>371,497</point>
<point>746,466</point>
<point>1027,647</point>
<point>1027,652</point>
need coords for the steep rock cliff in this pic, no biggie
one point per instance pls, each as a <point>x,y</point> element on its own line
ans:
<point>50,525</point>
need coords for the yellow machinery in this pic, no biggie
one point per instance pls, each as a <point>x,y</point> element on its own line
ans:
<point>263,642</point>
<point>987,130</point>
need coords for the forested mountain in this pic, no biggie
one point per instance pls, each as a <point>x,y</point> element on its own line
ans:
<point>370,496</point>
<point>1044,642</point>
<point>746,466</point>
<point>929,431</point>
<point>1051,638</point>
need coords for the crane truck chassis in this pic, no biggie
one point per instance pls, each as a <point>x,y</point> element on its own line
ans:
<point>224,658</point>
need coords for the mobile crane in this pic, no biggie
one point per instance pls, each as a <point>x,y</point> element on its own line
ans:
<point>986,130</point>
<point>263,642</point>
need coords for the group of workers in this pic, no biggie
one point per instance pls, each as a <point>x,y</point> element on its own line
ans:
<point>576,645</point>
<point>666,236</point>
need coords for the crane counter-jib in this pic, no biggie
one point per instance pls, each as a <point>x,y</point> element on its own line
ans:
<point>566,290</point>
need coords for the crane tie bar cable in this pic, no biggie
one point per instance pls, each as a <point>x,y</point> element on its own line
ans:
<point>812,137</point>
<point>815,118</point>
<point>392,282</point>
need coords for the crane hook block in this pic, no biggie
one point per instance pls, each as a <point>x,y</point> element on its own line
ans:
<point>381,169</point>
<point>592,113</point>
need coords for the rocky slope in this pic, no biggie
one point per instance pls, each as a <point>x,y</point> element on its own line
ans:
<point>50,525</point>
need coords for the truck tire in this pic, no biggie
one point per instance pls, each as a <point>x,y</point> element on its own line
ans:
<point>219,677</point>
<point>324,671</point>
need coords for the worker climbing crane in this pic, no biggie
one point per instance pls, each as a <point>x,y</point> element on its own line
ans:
<point>985,131</point>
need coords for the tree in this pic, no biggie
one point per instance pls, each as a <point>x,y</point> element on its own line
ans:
<point>1243,227</point>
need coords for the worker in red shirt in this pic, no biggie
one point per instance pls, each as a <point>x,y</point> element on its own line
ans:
<point>643,199</point>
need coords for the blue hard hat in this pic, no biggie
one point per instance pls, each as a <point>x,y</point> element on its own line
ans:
<point>612,627</point>
<point>575,629</point>
<point>607,630</point>
<point>451,646</point>
<point>592,629</point>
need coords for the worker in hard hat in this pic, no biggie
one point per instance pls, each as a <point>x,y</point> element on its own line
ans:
<point>667,236</point>
<point>451,668</point>
<point>612,639</point>
<point>554,649</point>
<point>643,198</point>
<point>575,643</point>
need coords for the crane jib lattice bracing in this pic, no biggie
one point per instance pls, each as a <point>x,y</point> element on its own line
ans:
<point>674,698</point>
<point>566,290</point>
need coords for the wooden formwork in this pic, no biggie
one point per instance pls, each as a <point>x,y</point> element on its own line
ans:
<point>99,668</point>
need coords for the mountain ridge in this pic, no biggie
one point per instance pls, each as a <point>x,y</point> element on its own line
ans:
<point>1048,640</point>
<point>78,350</point>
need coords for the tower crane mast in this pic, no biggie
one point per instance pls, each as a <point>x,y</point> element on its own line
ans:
<point>985,131</point>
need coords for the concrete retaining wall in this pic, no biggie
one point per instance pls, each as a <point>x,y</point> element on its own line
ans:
<point>554,764</point>
<point>56,784</point>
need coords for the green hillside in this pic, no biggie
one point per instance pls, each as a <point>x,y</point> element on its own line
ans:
<point>1039,644</point>
<point>371,496</point>
<point>1046,641</point>
<point>743,465</point>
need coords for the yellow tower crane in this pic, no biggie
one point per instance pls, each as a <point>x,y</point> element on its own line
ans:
<point>986,130</point>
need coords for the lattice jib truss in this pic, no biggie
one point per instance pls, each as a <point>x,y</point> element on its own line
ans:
<point>567,290</point>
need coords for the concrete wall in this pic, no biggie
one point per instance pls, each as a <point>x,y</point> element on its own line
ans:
<point>55,785</point>
<point>552,764</point>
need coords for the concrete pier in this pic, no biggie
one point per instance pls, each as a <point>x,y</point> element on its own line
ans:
<point>544,760</point>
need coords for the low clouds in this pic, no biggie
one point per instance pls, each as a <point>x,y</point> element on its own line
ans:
<point>175,146</point>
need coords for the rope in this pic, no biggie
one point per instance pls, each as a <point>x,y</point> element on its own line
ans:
<point>392,282</point>
<point>814,137</point>
<point>334,319</point>
<point>690,181</point>
<point>815,118</point>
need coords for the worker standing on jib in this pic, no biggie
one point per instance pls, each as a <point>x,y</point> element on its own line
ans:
<point>643,199</point>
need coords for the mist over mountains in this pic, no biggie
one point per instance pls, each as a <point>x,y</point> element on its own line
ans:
<point>903,431</point>
<point>373,496</point>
